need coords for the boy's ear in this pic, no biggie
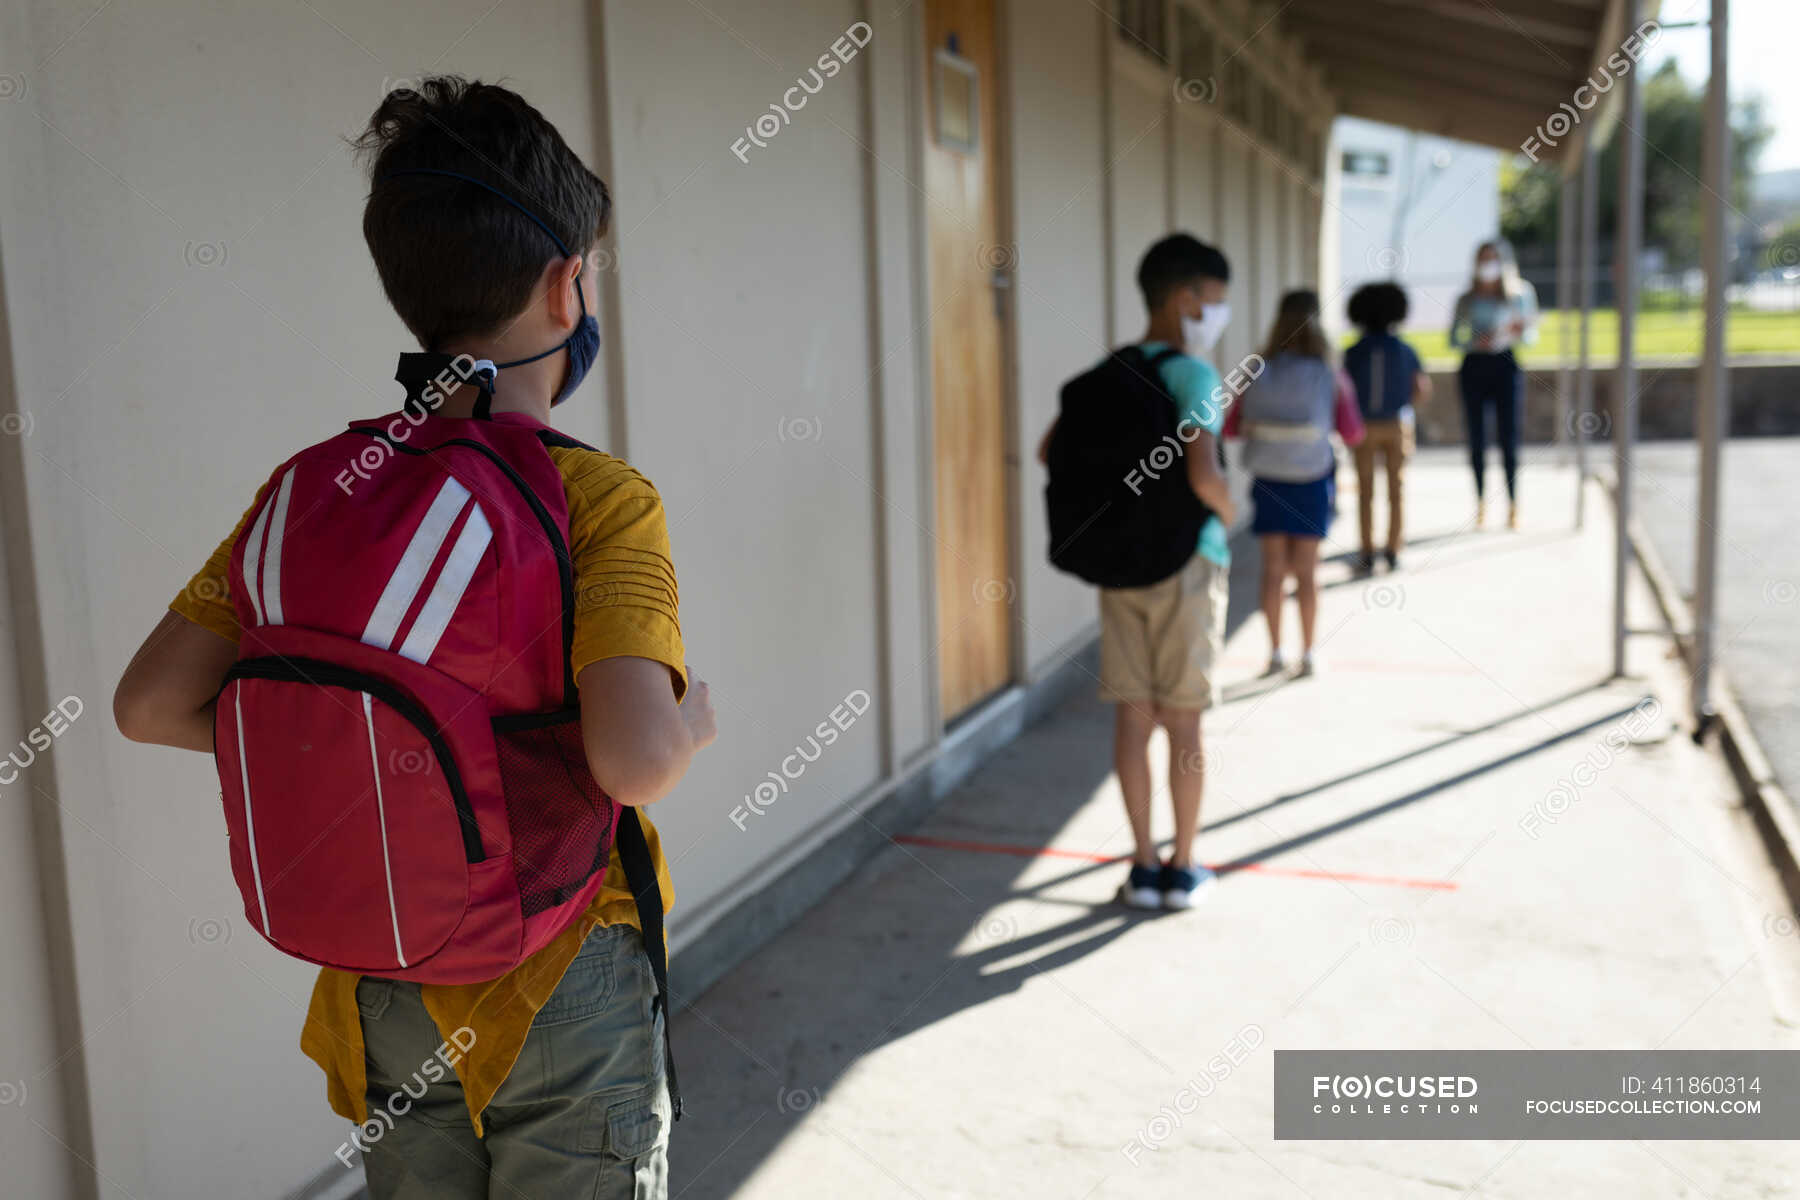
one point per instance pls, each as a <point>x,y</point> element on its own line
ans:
<point>561,282</point>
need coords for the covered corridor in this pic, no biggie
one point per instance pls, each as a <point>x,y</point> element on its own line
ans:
<point>1409,858</point>
<point>837,304</point>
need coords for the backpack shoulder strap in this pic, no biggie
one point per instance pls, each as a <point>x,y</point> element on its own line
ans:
<point>1150,366</point>
<point>640,876</point>
<point>562,441</point>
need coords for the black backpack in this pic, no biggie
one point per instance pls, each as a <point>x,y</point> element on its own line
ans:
<point>1121,512</point>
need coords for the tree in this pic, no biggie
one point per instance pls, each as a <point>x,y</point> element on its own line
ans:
<point>1674,122</point>
<point>1783,251</point>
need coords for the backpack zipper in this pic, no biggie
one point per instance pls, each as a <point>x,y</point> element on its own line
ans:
<point>323,674</point>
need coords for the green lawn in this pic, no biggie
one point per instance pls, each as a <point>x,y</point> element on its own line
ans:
<point>1660,334</point>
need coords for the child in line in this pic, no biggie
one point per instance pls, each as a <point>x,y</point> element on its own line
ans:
<point>479,219</point>
<point>1287,417</point>
<point>1159,642</point>
<point>1390,381</point>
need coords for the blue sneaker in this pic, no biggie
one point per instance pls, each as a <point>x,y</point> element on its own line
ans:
<point>1144,887</point>
<point>1183,886</point>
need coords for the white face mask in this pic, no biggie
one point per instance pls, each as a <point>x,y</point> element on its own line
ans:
<point>1201,334</point>
<point>1488,272</point>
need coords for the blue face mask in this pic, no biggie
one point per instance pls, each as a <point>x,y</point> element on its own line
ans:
<point>583,342</point>
<point>584,348</point>
<point>583,345</point>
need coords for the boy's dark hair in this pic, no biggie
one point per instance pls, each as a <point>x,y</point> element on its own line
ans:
<point>1176,261</point>
<point>1378,307</point>
<point>455,259</point>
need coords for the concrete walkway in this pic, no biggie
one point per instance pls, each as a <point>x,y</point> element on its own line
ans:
<point>1759,573</point>
<point>1412,867</point>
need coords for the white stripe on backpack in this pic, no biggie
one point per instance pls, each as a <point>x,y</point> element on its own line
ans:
<point>253,563</point>
<point>271,559</point>
<point>381,818</point>
<point>448,591</point>
<point>404,584</point>
<point>262,903</point>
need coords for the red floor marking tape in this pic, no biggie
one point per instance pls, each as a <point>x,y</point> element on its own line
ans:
<point>1441,885</point>
<point>1376,666</point>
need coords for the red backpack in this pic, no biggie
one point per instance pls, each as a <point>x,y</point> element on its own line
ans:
<point>399,743</point>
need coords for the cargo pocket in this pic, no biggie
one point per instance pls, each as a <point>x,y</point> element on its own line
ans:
<point>587,987</point>
<point>373,997</point>
<point>633,1127</point>
<point>627,1128</point>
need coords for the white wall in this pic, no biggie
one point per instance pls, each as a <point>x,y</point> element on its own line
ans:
<point>1138,161</point>
<point>901,364</point>
<point>1196,171</point>
<point>1293,211</point>
<point>1234,231</point>
<point>1059,226</point>
<point>30,901</point>
<point>1266,257</point>
<point>747,393</point>
<point>1282,184</point>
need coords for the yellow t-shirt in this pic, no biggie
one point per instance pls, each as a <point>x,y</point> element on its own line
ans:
<point>625,605</point>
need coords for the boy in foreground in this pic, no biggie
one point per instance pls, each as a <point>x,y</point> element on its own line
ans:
<point>478,218</point>
<point>1158,643</point>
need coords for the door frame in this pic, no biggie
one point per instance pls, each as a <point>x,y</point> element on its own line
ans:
<point>923,56</point>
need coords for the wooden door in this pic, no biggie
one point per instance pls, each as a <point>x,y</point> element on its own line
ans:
<point>971,275</point>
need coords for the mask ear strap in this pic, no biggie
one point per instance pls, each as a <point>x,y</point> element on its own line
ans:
<point>534,218</point>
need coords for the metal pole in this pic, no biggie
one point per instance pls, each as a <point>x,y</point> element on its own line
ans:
<point>1586,268</point>
<point>1713,420</point>
<point>1631,237</point>
<point>1565,270</point>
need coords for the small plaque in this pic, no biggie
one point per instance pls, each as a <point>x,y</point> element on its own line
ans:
<point>958,103</point>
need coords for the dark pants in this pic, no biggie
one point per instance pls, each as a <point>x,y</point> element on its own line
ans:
<point>1493,382</point>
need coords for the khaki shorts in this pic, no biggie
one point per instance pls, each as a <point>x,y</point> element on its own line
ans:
<point>1158,643</point>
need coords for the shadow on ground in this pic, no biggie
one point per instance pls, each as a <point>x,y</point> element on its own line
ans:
<point>914,944</point>
<point>915,938</point>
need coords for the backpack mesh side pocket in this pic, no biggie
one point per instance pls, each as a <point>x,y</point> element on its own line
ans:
<point>562,822</point>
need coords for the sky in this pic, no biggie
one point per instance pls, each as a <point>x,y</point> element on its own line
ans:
<point>1765,35</point>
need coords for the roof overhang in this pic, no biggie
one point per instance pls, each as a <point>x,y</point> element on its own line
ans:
<point>1487,71</point>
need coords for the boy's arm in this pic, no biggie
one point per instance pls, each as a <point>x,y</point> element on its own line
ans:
<point>167,694</point>
<point>627,652</point>
<point>1194,386</point>
<point>639,741</point>
<point>1205,478</point>
<point>1461,330</point>
<point>1421,388</point>
<point>1526,323</point>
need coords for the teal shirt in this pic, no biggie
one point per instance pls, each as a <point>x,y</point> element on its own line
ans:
<point>1192,382</point>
